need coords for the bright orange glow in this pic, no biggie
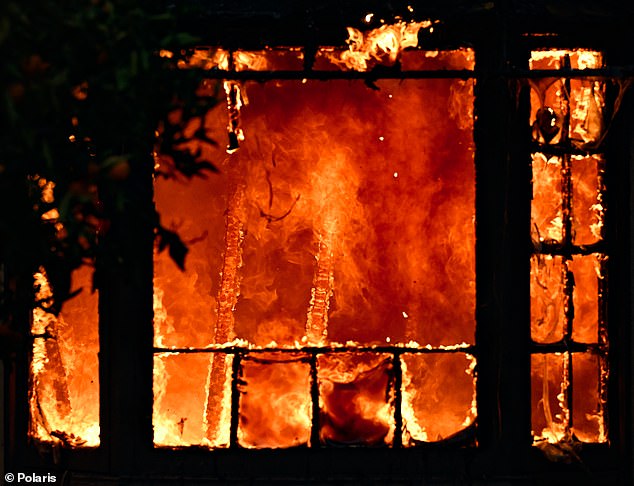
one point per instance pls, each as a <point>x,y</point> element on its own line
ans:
<point>550,414</point>
<point>383,44</point>
<point>546,206</point>
<point>567,215</point>
<point>283,418</point>
<point>438,395</point>
<point>205,59</point>
<point>179,391</point>
<point>547,298</point>
<point>587,273</point>
<point>412,60</point>
<point>579,59</point>
<point>64,395</point>
<point>346,217</point>
<point>588,417</point>
<point>356,403</point>
<point>587,209</point>
<point>581,101</point>
<point>279,59</point>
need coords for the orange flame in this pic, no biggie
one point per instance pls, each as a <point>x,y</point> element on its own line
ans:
<point>383,43</point>
<point>348,219</point>
<point>64,395</point>
<point>567,209</point>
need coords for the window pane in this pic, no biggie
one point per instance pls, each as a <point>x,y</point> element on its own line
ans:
<point>346,218</point>
<point>346,226</point>
<point>587,407</point>
<point>186,302</point>
<point>546,206</point>
<point>547,298</point>
<point>64,399</point>
<point>181,405</point>
<point>275,404</point>
<point>550,414</point>
<point>586,271</point>
<point>438,395</point>
<point>356,399</point>
<point>586,200</point>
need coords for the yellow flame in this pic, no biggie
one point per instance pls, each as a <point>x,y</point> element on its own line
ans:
<point>51,215</point>
<point>206,59</point>
<point>253,61</point>
<point>580,59</point>
<point>64,395</point>
<point>385,42</point>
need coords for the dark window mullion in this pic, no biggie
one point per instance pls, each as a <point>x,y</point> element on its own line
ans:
<point>503,196</point>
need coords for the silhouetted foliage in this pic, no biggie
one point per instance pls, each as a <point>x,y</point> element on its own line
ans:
<point>84,93</point>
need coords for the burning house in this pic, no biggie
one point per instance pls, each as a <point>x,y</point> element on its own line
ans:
<point>413,264</point>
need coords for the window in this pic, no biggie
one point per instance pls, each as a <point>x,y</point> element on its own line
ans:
<point>360,274</point>
<point>64,387</point>
<point>568,267</point>
<point>329,296</point>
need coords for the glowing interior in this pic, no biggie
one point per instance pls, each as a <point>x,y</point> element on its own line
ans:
<point>568,264</point>
<point>64,392</point>
<point>345,218</point>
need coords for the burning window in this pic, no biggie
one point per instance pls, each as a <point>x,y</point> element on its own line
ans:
<point>64,391</point>
<point>329,293</point>
<point>64,384</point>
<point>568,266</point>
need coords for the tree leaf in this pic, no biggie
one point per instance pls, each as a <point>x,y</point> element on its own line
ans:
<point>175,246</point>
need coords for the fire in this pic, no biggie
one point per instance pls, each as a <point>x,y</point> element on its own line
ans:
<point>346,218</point>
<point>64,387</point>
<point>203,59</point>
<point>546,206</point>
<point>383,44</point>
<point>587,196</point>
<point>357,406</point>
<point>285,382</point>
<point>550,413</point>
<point>547,298</point>
<point>438,395</point>
<point>567,213</point>
<point>581,100</point>
<point>64,395</point>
